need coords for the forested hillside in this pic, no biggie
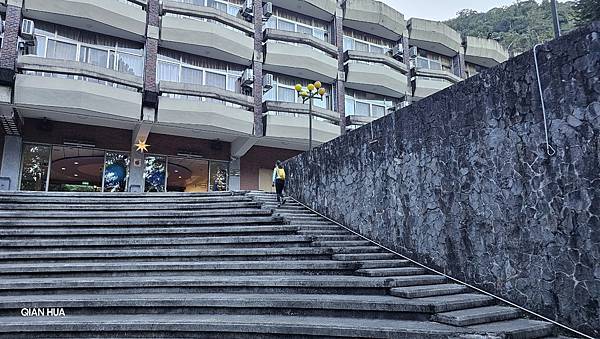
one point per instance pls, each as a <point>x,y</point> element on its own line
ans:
<point>518,27</point>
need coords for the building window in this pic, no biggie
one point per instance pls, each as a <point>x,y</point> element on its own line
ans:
<point>229,7</point>
<point>367,104</point>
<point>283,90</point>
<point>65,43</point>
<point>359,41</point>
<point>292,22</point>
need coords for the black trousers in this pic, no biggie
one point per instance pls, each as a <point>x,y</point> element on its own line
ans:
<point>279,184</point>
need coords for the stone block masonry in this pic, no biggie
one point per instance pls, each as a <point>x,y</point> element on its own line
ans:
<point>461,181</point>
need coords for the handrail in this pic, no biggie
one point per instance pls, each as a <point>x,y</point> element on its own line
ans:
<point>377,58</point>
<point>70,67</point>
<point>445,275</point>
<point>425,72</point>
<point>296,37</point>
<point>206,91</point>
<point>171,6</point>
<point>297,108</point>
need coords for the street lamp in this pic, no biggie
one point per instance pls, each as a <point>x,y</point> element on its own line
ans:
<point>311,92</point>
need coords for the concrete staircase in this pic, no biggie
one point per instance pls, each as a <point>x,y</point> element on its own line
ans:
<point>230,265</point>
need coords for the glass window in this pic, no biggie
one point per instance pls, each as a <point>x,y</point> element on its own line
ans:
<point>361,46</point>
<point>218,176</point>
<point>377,111</point>
<point>132,64</point>
<point>76,169</point>
<point>40,45</point>
<point>349,106</point>
<point>305,30</point>
<point>422,63</point>
<point>377,49</point>
<point>191,76</point>
<point>286,25</point>
<point>167,71</point>
<point>348,44</point>
<point>93,56</point>
<point>233,10</point>
<point>34,169</point>
<point>319,34</point>
<point>155,173</point>
<point>116,172</point>
<point>232,83</point>
<point>216,80</point>
<point>435,65</point>
<point>61,50</point>
<point>286,94</point>
<point>362,109</point>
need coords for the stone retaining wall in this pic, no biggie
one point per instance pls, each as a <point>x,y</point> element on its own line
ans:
<point>462,181</point>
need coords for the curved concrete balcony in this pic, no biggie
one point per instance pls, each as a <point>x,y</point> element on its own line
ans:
<point>300,38</point>
<point>193,118</point>
<point>300,61</point>
<point>434,36</point>
<point>374,17</point>
<point>109,17</point>
<point>207,39</point>
<point>485,52</point>
<point>428,86</point>
<point>170,6</point>
<point>77,101</point>
<point>320,9</point>
<point>383,75</point>
<point>293,129</point>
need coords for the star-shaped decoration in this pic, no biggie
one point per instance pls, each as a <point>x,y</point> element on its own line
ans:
<point>142,146</point>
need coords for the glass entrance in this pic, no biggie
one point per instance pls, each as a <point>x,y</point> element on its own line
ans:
<point>155,173</point>
<point>34,168</point>
<point>187,175</point>
<point>75,169</point>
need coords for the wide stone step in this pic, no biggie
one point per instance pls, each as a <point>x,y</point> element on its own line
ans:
<point>370,263</point>
<point>225,220</point>
<point>341,243</point>
<point>127,207</point>
<point>475,316</point>
<point>322,232</point>
<point>150,214</point>
<point>238,301</point>
<point>428,291</point>
<point>192,254</point>
<point>393,271</point>
<point>126,266</point>
<point>257,326</point>
<point>517,328</point>
<point>91,232</point>
<point>145,241</point>
<point>338,283</point>
<point>366,256</point>
<point>126,201</point>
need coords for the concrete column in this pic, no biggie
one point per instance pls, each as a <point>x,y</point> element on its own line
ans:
<point>406,56</point>
<point>152,37</point>
<point>234,174</point>
<point>257,67</point>
<point>340,85</point>
<point>9,51</point>
<point>136,169</point>
<point>459,65</point>
<point>11,163</point>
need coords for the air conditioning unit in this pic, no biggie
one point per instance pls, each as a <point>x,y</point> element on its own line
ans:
<point>413,52</point>
<point>398,50</point>
<point>248,10</point>
<point>247,78</point>
<point>267,11</point>
<point>267,82</point>
<point>27,29</point>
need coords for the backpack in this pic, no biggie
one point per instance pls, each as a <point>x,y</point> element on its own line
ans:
<point>281,173</point>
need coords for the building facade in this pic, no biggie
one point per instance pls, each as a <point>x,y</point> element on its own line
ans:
<point>208,84</point>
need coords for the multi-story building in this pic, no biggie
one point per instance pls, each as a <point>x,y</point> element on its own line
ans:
<point>208,84</point>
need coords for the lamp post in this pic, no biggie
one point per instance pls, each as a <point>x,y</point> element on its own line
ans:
<point>311,92</point>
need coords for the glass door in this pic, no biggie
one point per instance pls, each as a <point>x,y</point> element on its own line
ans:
<point>34,167</point>
<point>155,173</point>
<point>76,169</point>
<point>116,172</point>
<point>187,175</point>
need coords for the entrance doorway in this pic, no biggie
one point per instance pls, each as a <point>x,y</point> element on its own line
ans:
<point>187,175</point>
<point>74,169</point>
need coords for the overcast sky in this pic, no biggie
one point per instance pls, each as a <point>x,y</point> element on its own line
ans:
<point>442,9</point>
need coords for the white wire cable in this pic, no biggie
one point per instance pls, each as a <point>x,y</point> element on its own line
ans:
<point>549,149</point>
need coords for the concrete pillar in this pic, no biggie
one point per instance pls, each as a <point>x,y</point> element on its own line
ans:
<point>11,163</point>
<point>340,87</point>
<point>9,51</point>
<point>406,56</point>
<point>459,65</point>
<point>234,174</point>
<point>136,168</point>
<point>257,67</point>
<point>152,36</point>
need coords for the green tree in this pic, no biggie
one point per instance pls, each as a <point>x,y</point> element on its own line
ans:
<point>587,11</point>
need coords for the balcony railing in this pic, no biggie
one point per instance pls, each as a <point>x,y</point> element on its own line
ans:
<point>206,91</point>
<point>301,38</point>
<point>205,12</point>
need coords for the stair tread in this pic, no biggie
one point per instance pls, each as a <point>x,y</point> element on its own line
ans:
<point>428,290</point>
<point>517,326</point>
<point>269,324</point>
<point>473,316</point>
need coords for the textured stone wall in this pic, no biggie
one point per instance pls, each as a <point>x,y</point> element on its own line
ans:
<point>461,181</point>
